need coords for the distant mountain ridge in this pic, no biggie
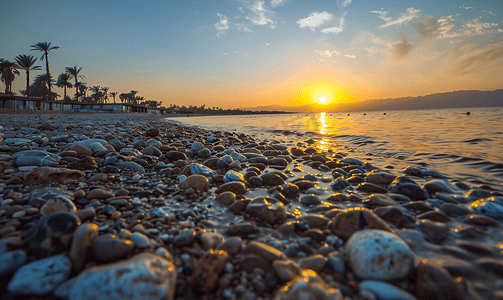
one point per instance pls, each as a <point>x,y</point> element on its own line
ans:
<point>456,99</point>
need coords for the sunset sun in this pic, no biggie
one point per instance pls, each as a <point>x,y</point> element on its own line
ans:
<point>322,100</point>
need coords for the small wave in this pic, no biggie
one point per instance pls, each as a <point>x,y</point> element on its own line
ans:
<point>494,166</point>
<point>474,141</point>
<point>441,156</point>
<point>466,159</point>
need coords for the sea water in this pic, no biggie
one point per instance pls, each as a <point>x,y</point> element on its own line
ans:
<point>461,146</point>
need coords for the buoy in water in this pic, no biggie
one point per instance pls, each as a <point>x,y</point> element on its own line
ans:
<point>348,114</point>
<point>384,113</point>
<point>467,113</point>
<point>364,114</point>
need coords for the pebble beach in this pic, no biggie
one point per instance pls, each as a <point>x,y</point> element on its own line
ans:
<point>133,206</point>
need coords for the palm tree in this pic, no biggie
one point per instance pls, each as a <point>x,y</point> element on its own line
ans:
<point>26,63</point>
<point>8,71</point>
<point>41,84</point>
<point>97,93</point>
<point>113,94</point>
<point>46,48</point>
<point>123,97</point>
<point>81,88</point>
<point>74,71</point>
<point>105,94</point>
<point>64,82</point>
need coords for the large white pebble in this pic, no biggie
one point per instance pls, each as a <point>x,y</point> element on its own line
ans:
<point>377,254</point>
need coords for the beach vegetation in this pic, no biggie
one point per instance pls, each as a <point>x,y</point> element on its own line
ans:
<point>45,47</point>
<point>74,72</point>
<point>27,63</point>
<point>64,82</point>
<point>8,72</point>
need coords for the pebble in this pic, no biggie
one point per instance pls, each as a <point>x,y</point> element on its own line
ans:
<point>436,283</point>
<point>11,261</point>
<point>267,210</point>
<point>108,248</point>
<point>143,276</point>
<point>345,224</point>
<point>226,198</point>
<point>82,241</point>
<point>377,254</point>
<point>207,270</point>
<point>308,286</point>
<point>286,270</point>
<point>210,240</point>
<point>314,262</point>
<point>196,182</point>
<point>40,277</point>
<point>385,291</point>
<point>236,187</point>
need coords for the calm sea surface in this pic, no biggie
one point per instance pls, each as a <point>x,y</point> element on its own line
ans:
<point>469,148</point>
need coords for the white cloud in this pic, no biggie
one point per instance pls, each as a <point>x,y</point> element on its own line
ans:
<point>446,26</point>
<point>335,29</point>
<point>241,9</point>
<point>267,44</point>
<point>382,15</point>
<point>226,53</point>
<point>222,25</point>
<point>315,20</point>
<point>276,3</point>
<point>326,53</point>
<point>411,14</point>
<point>343,3</point>
<point>480,27</point>
<point>402,48</point>
<point>259,15</point>
<point>350,56</point>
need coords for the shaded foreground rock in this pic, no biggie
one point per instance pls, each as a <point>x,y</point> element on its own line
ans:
<point>144,276</point>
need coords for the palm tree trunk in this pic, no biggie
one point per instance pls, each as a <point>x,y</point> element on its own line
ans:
<point>48,76</point>
<point>76,89</point>
<point>27,83</point>
<point>65,93</point>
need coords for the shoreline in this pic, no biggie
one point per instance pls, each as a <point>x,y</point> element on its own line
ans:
<point>149,192</point>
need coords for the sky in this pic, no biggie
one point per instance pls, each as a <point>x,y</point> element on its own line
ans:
<point>237,53</point>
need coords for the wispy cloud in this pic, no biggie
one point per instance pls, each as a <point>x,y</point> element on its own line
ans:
<point>336,29</point>
<point>315,20</point>
<point>350,56</point>
<point>372,50</point>
<point>427,27</point>
<point>405,18</point>
<point>222,25</point>
<point>243,27</point>
<point>259,15</point>
<point>382,15</point>
<point>276,3</point>
<point>475,58</point>
<point>402,48</point>
<point>343,3</point>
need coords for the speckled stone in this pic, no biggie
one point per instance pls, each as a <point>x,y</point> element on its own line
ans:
<point>143,276</point>
<point>210,240</point>
<point>226,198</point>
<point>40,277</point>
<point>377,254</point>
<point>11,261</point>
<point>51,234</point>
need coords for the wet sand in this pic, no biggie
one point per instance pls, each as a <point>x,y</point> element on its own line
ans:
<point>106,206</point>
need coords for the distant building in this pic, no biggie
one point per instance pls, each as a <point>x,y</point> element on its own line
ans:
<point>37,103</point>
